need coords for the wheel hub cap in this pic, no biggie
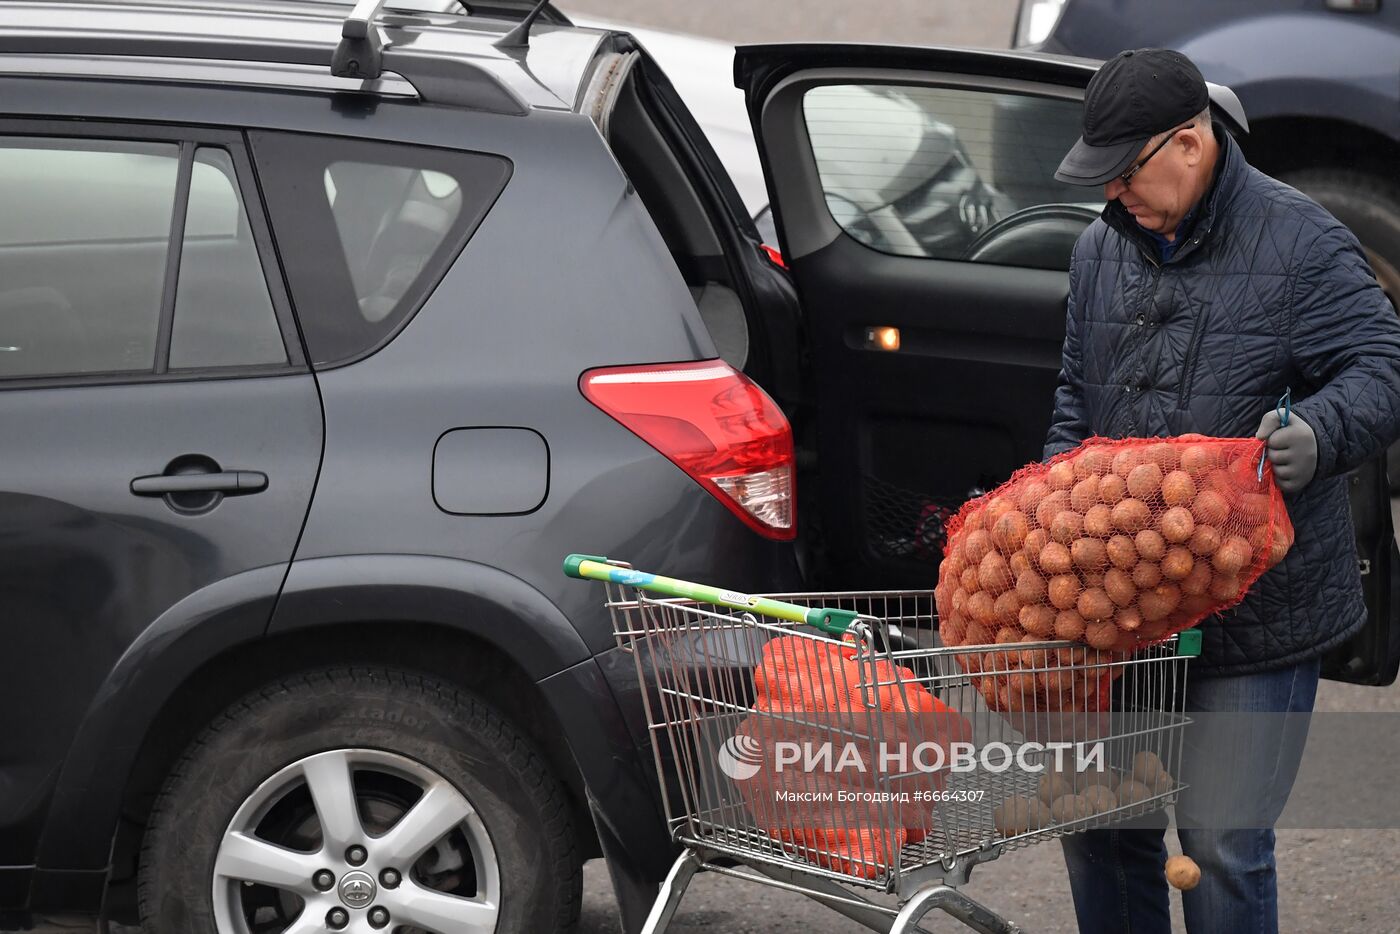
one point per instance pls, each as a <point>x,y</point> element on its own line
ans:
<point>357,889</point>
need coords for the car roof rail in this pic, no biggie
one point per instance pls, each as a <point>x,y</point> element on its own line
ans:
<point>437,79</point>
<point>360,53</point>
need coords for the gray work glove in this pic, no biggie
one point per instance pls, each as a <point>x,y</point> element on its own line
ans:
<point>1292,450</point>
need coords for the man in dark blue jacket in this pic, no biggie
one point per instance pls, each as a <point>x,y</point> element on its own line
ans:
<point>1205,291</point>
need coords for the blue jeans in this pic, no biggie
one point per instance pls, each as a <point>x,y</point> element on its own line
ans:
<point>1117,877</point>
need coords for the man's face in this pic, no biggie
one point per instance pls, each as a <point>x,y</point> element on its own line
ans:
<point>1159,194</point>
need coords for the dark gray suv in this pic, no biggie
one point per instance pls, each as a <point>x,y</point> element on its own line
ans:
<point>323,340</point>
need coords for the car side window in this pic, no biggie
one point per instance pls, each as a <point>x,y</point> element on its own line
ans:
<point>223,311</point>
<point>367,230</point>
<point>84,242</point>
<point>950,173</point>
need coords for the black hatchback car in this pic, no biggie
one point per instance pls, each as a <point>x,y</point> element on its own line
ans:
<point>324,337</point>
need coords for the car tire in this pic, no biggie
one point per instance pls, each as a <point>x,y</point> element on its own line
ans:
<point>1370,207</point>
<point>274,766</point>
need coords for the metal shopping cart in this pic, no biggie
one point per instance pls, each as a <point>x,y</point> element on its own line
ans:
<point>782,728</point>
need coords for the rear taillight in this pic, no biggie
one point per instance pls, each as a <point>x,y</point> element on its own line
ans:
<point>715,424</point>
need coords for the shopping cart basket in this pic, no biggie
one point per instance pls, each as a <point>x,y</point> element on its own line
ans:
<point>825,797</point>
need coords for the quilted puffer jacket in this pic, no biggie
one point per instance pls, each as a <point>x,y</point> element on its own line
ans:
<point>1267,292</point>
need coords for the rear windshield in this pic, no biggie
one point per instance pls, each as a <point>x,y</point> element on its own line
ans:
<point>367,230</point>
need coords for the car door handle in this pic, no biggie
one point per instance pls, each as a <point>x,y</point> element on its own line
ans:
<point>228,482</point>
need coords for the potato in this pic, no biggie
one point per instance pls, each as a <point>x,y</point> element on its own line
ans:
<point>1054,785</point>
<point>1093,461</point>
<point>1038,620</point>
<point>1210,508</point>
<point>1036,540</point>
<point>1119,586</point>
<point>1194,606</point>
<point>1060,476</point>
<point>1069,808</point>
<point>1031,587</point>
<point>1177,563</point>
<point>1050,507</point>
<point>1101,634</point>
<point>1084,494</point>
<point>1064,591</point>
<point>1089,553</point>
<point>981,607</point>
<point>1094,604</point>
<point>1178,489</point>
<point>1099,799</point>
<point>1225,588</point>
<point>1122,552</point>
<point>1255,507</point>
<point>1147,767</point>
<point>1145,482</point>
<point>1009,532</point>
<point>959,600</point>
<point>1112,489</point>
<point>994,574</point>
<point>977,545</point>
<point>1206,540</point>
<point>1158,603</point>
<point>1017,815</point>
<point>1198,581</point>
<point>1233,556</point>
<point>1165,454</point>
<point>1098,521</point>
<point>1030,493</point>
<point>1056,559</point>
<point>1177,525</point>
<point>1130,515</point>
<point>1198,459</point>
<point>1128,620</point>
<point>1146,575</point>
<point>1150,544</point>
<point>998,506</point>
<point>1032,658</point>
<point>952,629</point>
<point>977,633</point>
<point>1069,625</point>
<point>1006,610</point>
<point>1127,460</point>
<point>974,517</point>
<point>1066,526</point>
<point>1183,873</point>
<point>1132,791</point>
<point>1019,564</point>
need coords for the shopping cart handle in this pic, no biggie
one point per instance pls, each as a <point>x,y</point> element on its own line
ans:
<point>591,567</point>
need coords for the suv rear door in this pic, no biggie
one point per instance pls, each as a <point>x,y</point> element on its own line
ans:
<point>914,197</point>
<point>163,429</point>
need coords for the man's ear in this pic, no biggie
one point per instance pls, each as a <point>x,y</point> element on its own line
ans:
<point>1193,145</point>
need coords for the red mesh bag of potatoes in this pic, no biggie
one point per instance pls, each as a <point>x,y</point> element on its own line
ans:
<point>1116,544</point>
<point>819,681</point>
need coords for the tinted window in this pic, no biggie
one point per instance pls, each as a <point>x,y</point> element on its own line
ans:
<point>368,229</point>
<point>949,173</point>
<point>223,312</point>
<point>84,237</point>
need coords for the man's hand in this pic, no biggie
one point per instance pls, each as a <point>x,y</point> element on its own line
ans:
<point>1292,450</point>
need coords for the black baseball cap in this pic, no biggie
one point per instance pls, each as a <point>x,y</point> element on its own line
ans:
<point>1131,98</point>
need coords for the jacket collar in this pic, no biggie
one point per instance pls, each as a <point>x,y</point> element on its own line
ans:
<point>1229,176</point>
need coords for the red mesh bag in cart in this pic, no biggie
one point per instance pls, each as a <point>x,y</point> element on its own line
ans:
<point>808,692</point>
<point>1116,544</point>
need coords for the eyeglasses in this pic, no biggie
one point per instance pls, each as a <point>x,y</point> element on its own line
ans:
<point>1127,177</point>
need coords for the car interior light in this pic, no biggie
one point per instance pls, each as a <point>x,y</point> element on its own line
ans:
<point>882,338</point>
